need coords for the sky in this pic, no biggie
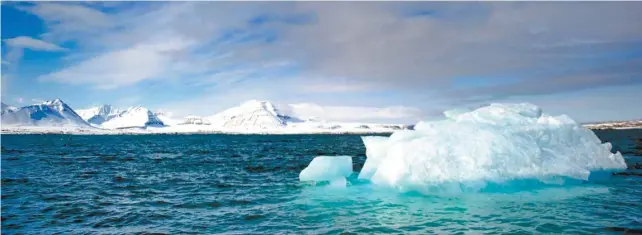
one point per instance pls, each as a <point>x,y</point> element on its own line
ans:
<point>345,61</point>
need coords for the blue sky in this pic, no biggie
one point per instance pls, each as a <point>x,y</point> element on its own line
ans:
<point>377,61</point>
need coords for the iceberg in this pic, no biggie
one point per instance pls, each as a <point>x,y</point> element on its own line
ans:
<point>492,144</point>
<point>375,151</point>
<point>333,169</point>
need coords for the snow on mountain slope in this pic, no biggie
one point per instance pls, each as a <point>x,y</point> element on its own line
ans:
<point>6,107</point>
<point>196,120</point>
<point>49,113</point>
<point>108,117</point>
<point>167,118</point>
<point>99,114</point>
<point>131,118</point>
<point>353,127</point>
<point>633,124</point>
<point>251,117</point>
<point>253,114</point>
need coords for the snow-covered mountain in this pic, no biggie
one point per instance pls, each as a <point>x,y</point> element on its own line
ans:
<point>264,116</point>
<point>196,120</point>
<point>8,108</point>
<point>166,118</point>
<point>99,114</point>
<point>615,125</point>
<point>253,116</point>
<point>108,117</point>
<point>133,117</point>
<point>49,113</point>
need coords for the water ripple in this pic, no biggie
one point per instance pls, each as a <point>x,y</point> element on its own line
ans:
<point>195,184</point>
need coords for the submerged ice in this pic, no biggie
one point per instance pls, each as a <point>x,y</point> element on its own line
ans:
<point>496,143</point>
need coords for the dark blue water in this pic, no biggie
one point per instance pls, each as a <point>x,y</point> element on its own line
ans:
<point>192,184</point>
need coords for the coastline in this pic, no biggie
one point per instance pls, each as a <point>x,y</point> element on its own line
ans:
<point>284,131</point>
<point>29,131</point>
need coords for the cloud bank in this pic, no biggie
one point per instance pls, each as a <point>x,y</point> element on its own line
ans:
<point>431,55</point>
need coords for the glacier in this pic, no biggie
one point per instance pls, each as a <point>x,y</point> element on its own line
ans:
<point>495,144</point>
<point>333,169</point>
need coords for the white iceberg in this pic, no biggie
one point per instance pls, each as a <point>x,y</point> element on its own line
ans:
<point>376,147</point>
<point>333,169</point>
<point>496,143</point>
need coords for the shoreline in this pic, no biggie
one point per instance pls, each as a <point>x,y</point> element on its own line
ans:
<point>115,132</point>
<point>29,131</point>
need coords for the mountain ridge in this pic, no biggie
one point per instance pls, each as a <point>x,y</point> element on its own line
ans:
<point>253,116</point>
<point>48,113</point>
<point>105,116</point>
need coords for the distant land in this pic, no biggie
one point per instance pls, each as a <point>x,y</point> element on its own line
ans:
<point>251,117</point>
<point>633,124</point>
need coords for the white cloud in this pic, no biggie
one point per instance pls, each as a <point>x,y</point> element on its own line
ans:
<point>67,21</point>
<point>32,43</point>
<point>354,113</point>
<point>344,48</point>
<point>122,67</point>
<point>172,41</point>
<point>15,50</point>
<point>319,85</point>
<point>376,43</point>
<point>16,46</point>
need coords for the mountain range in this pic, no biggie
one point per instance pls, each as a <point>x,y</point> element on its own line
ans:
<point>253,116</point>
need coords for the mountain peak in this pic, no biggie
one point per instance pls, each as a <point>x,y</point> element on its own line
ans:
<point>56,102</point>
<point>260,105</point>
<point>6,107</point>
<point>104,109</point>
<point>48,113</point>
<point>109,117</point>
<point>250,114</point>
<point>98,114</point>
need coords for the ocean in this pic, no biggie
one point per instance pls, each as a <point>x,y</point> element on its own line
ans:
<point>248,184</point>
